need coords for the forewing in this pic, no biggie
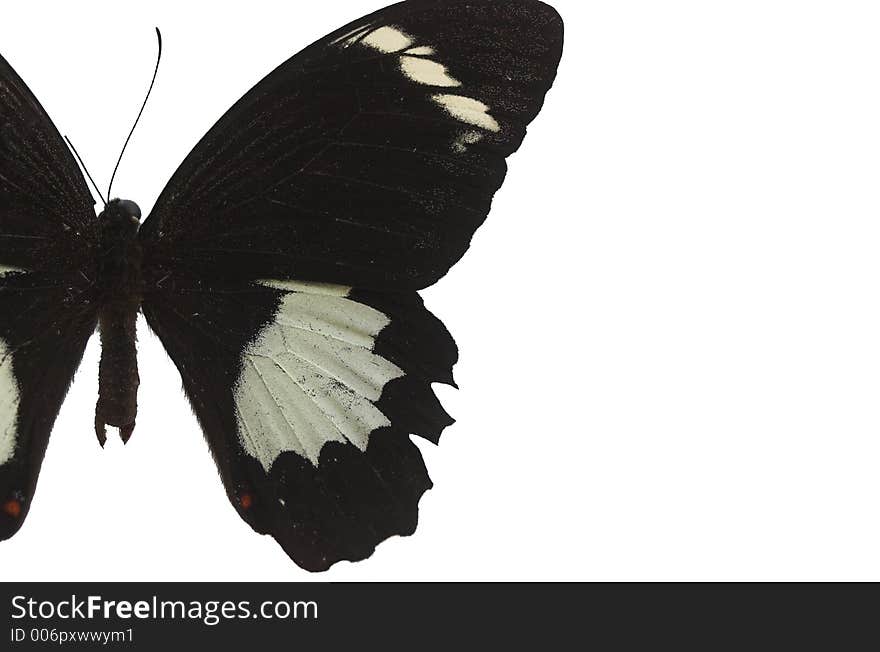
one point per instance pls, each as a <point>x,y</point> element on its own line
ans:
<point>368,159</point>
<point>47,218</point>
<point>47,311</point>
<point>307,394</point>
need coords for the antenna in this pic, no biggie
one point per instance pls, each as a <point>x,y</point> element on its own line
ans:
<point>143,106</point>
<point>85,169</point>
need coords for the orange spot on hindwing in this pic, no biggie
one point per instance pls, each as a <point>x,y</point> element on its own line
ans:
<point>12,507</point>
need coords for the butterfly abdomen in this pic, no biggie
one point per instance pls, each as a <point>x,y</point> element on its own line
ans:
<point>120,287</point>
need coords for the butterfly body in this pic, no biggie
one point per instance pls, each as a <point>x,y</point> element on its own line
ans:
<point>280,267</point>
<point>119,286</point>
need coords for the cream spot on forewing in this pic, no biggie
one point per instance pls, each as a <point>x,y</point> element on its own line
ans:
<point>6,270</point>
<point>425,71</point>
<point>9,400</point>
<point>351,37</point>
<point>387,39</point>
<point>468,110</point>
<point>466,138</point>
<point>416,65</point>
<point>311,376</point>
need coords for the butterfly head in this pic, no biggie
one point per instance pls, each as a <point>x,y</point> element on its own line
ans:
<point>122,212</point>
<point>128,210</point>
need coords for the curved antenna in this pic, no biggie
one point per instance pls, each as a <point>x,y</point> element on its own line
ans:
<point>143,106</point>
<point>86,170</point>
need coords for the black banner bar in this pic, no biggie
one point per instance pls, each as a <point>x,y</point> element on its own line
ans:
<point>412,616</point>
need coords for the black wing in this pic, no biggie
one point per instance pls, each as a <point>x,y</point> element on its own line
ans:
<point>307,395</point>
<point>283,259</point>
<point>47,235</point>
<point>368,159</point>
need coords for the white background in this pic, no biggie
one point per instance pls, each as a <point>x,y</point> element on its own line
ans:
<point>669,326</point>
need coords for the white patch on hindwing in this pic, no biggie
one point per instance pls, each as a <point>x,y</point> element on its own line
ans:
<point>6,270</point>
<point>310,376</point>
<point>309,288</point>
<point>9,400</point>
<point>418,67</point>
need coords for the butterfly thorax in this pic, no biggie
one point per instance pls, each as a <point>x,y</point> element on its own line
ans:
<point>119,285</point>
<point>119,257</point>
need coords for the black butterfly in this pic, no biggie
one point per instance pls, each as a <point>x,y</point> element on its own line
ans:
<point>280,267</point>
